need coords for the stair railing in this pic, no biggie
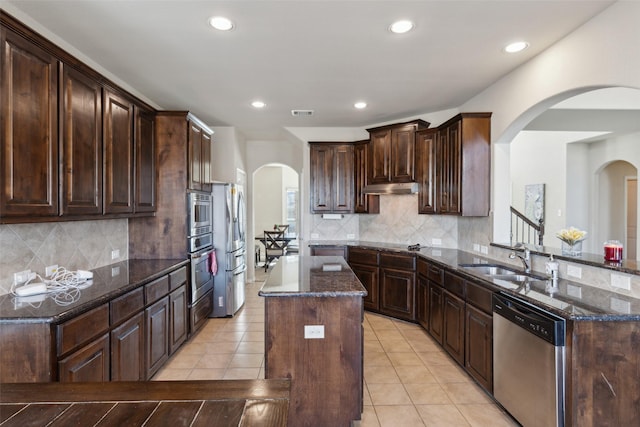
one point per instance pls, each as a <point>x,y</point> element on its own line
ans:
<point>524,230</point>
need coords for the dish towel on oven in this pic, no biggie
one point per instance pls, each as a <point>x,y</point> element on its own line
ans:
<point>213,264</point>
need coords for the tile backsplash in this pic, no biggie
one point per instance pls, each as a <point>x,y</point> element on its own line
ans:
<point>74,245</point>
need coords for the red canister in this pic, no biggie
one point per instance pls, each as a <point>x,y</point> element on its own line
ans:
<point>613,250</point>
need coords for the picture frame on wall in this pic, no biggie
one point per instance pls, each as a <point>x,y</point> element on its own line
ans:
<point>534,202</point>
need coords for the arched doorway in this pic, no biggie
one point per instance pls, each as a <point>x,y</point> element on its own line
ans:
<point>569,138</point>
<point>276,201</point>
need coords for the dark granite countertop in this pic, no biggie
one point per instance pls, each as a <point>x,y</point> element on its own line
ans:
<point>108,282</point>
<point>569,299</point>
<point>312,276</point>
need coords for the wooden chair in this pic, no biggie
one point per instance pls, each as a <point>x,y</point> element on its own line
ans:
<point>274,246</point>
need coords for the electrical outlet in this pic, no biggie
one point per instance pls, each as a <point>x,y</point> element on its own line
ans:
<point>115,254</point>
<point>574,291</point>
<point>315,236</point>
<point>620,281</point>
<point>50,270</point>
<point>115,271</point>
<point>484,249</point>
<point>351,236</point>
<point>313,332</point>
<point>436,242</point>
<point>621,306</point>
<point>21,276</point>
<point>574,271</point>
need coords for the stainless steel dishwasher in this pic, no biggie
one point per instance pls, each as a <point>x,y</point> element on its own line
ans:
<point>528,361</point>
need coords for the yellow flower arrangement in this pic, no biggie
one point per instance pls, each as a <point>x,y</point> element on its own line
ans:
<point>571,236</point>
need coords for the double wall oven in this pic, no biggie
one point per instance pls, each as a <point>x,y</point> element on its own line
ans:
<point>200,243</point>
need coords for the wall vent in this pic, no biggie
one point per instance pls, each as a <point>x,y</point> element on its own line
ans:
<point>301,113</point>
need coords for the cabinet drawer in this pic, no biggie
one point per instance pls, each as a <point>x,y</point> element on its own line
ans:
<point>79,330</point>
<point>329,251</point>
<point>435,274</point>
<point>479,296</point>
<point>363,256</point>
<point>397,261</point>
<point>454,284</point>
<point>157,289</point>
<point>177,278</point>
<point>126,305</point>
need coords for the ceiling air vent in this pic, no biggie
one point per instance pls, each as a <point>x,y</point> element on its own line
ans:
<point>301,113</point>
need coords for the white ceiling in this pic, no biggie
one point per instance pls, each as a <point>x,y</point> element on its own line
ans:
<point>306,54</point>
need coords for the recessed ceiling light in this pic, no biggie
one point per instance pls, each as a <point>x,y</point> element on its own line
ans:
<point>258,104</point>
<point>360,105</point>
<point>221,23</point>
<point>401,27</point>
<point>516,47</point>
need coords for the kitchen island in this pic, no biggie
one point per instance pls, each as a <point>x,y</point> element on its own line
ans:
<point>314,336</point>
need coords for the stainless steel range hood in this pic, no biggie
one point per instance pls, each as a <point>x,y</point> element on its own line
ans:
<point>392,188</point>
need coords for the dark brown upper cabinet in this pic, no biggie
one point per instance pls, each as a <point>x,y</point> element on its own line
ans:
<point>199,153</point>
<point>463,165</point>
<point>392,152</point>
<point>29,122</point>
<point>145,155</point>
<point>331,177</point>
<point>118,153</point>
<point>364,203</point>
<point>74,145</point>
<point>426,169</point>
<point>81,144</point>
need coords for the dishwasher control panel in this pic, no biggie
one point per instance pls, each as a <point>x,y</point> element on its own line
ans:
<point>539,322</point>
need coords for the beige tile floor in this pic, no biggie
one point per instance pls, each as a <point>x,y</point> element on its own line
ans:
<point>409,379</point>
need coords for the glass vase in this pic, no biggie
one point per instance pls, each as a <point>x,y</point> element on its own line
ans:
<point>572,250</point>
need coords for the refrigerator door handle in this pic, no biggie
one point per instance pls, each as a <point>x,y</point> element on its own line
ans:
<point>240,271</point>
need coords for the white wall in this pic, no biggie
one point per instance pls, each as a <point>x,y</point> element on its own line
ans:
<point>603,52</point>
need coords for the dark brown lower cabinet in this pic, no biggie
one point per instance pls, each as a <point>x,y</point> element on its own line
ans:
<point>397,293</point>
<point>368,276</point>
<point>422,302</point>
<point>453,328</point>
<point>329,251</point>
<point>88,364</point>
<point>178,324</point>
<point>157,335</point>
<point>127,350</point>
<point>436,299</point>
<point>479,346</point>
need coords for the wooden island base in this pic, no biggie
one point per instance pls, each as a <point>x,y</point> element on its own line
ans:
<point>220,403</point>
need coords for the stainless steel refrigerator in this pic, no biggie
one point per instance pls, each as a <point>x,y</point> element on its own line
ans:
<point>229,242</point>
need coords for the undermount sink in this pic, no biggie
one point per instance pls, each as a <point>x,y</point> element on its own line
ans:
<point>502,276</point>
<point>489,270</point>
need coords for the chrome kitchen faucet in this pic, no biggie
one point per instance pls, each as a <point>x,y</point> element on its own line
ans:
<point>525,259</point>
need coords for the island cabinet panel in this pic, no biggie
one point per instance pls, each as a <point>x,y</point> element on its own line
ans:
<point>326,374</point>
<point>81,145</point>
<point>118,153</point>
<point>29,122</point>
<point>127,350</point>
